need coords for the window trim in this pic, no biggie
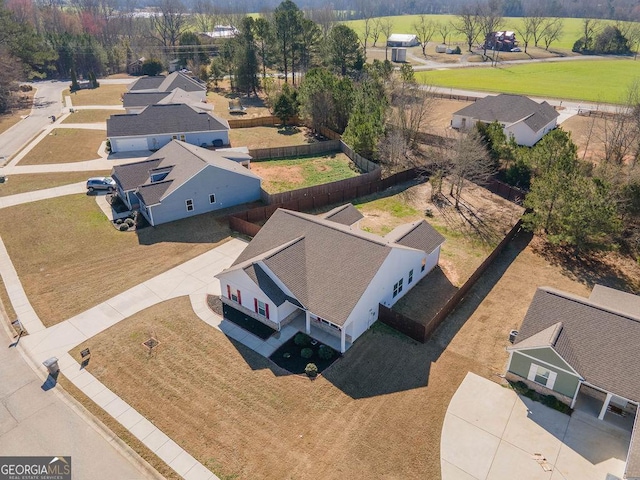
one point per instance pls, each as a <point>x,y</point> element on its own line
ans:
<point>212,198</point>
<point>410,279</point>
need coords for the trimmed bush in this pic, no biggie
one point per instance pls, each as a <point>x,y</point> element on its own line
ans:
<point>301,339</point>
<point>119,221</point>
<point>325,352</point>
<point>123,227</point>
<point>306,353</point>
<point>130,222</point>
<point>311,370</point>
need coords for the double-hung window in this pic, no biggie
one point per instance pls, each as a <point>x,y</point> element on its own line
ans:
<point>189,204</point>
<point>397,287</point>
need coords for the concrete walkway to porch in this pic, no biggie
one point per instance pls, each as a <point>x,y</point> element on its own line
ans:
<point>263,347</point>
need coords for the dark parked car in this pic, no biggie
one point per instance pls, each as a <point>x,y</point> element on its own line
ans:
<point>101,183</point>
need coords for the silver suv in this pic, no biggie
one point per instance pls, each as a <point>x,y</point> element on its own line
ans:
<point>101,183</point>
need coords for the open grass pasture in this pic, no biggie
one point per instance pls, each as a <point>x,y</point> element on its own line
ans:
<point>269,137</point>
<point>38,181</point>
<point>66,145</point>
<point>91,116</point>
<point>292,173</point>
<point>588,80</point>
<point>75,259</point>
<point>572,29</point>
<point>103,95</point>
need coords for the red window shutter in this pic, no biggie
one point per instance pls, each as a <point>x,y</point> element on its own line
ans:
<point>228,292</point>
<point>266,309</point>
<point>255,305</point>
<point>239,298</point>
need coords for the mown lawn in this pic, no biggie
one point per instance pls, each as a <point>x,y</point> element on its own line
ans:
<point>269,137</point>
<point>75,259</point>
<point>66,145</point>
<point>91,116</point>
<point>590,80</point>
<point>572,28</point>
<point>290,174</point>
<point>38,181</point>
<point>103,95</point>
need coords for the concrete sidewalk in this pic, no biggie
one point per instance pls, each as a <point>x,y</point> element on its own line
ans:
<point>194,278</point>
<point>491,433</point>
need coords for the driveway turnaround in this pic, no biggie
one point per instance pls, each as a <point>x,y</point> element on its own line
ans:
<point>491,433</point>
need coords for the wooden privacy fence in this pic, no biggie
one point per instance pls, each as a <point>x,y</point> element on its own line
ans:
<point>268,121</point>
<point>422,332</point>
<point>506,191</point>
<point>261,154</point>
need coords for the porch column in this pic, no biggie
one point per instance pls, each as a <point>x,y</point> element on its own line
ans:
<point>605,405</point>
<point>307,317</point>
<point>343,336</point>
<point>575,397</point>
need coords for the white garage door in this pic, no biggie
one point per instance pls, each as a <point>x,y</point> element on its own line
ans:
<point>129,144</point>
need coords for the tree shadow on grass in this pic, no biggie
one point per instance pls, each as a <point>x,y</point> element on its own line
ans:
<point>589,268</point>
<point>384,361</point>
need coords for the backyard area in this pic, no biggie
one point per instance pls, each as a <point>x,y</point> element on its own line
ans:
<point>66,145</point>
<point>269,137</point>
<point>292,173</point>
<point>254,106</point>
<point>29,182</point>
<point>91,116</point>
<point>75,259</point>
<point>376,413</point>
<point>103,95</point>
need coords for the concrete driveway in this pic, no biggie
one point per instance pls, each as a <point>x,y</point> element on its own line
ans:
<point>490,433</point>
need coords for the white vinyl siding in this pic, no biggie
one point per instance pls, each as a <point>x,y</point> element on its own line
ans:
<point>542,376</point>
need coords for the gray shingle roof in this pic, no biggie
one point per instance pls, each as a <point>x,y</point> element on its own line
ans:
<point>181,160</point>
<point>174,80</point>
<point>509,109</point>
<point>327,266</point>
<point>344,214</point>
<point>164,119</point>
<point>132,175</point>
<point>419,235</point>
<point>267,285</point>
<point>600,343</point>
<point>147,83</point>
<point>142,99</point>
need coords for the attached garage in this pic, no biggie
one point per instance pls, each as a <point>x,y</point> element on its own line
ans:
<point>129,144</point>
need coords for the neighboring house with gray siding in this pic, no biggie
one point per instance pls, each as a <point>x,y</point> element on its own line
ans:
<point>156,125</point>
<point>577,348</point>
<point>160,83</point>
<point>327,271</point>
<point>135,102</point>
<point>521,118</point>
<point>181,180</point>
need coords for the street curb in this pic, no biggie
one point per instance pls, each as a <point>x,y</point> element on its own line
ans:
<point>147,471</point>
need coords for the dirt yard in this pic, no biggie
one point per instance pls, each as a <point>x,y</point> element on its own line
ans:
<point>254,107</point>
<point>75,259</point>
<point>587,134</point>
<point>377,413</point>
<point>290,174</point>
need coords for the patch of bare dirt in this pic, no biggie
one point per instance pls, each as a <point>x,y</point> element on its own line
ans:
<point>285,173</point>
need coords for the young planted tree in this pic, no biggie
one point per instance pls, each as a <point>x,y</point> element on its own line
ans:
<point>286,105</point>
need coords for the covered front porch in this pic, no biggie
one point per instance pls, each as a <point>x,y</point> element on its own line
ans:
<point>337,340</point>
<point>596,404</point>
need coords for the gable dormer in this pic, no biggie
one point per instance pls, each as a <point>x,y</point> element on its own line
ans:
<point>159,174</point>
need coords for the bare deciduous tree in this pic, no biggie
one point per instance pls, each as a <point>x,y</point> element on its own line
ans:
<point>444,30</point>
<point>467,23</point>
<point>386,27</point>
<point>551,31</point>
<point>470,162</point>
<point>425,29</point>
<point>169,21</point>
<point>489,19</point>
